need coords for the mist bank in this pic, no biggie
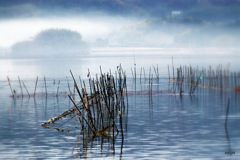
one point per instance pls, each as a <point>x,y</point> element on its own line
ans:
<point>166,33</point>
<point>174,32</point>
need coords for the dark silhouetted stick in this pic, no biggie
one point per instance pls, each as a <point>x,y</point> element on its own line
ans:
<point>81,114</point>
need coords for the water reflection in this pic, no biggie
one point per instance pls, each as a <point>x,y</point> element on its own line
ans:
<point>165,125</point>
<point>162,125</point>
<point>186,119</point>
<point>97,147</point>
<point>228,140</point>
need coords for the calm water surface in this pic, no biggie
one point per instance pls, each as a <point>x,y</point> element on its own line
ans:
<point>163,126</point>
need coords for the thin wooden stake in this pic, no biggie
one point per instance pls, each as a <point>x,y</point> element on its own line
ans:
<point>26,89</point>
<point>82,115</point>
<point>20,85</point>
<point>45,85</point>
<point>35,86</point>
<point>9,82</point>
<point>58,87</point>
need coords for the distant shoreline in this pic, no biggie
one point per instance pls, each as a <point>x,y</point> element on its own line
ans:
<point>141,51</point>
<point>130,51</point>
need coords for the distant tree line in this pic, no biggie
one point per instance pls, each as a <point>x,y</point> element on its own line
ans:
<point>51,43</point>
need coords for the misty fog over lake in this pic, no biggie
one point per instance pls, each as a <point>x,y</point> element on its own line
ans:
<point>120,79</point>
<point>155,24</point>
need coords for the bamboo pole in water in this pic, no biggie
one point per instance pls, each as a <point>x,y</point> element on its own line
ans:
<point>82,114</point>
<point>75,83</point>
<point>173,69</point>
<point>144,74</point>
<point>132,73</point>
<point>9,83</point>
<point>35,86</point>
<point>58,88</point>
<point>100,105</point>
<point>168,73</point>
<point>20,85</point>
<point>135,73</point>
<point>125,83</point>
<point>68,86</point>
<point>26,88</point>
<point>141,75</point>
<point>88,108</point>
<point>80,81</point>
<point>45,83</point>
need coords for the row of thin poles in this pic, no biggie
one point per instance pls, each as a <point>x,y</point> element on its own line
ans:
<point>23,88</point>
<point>143,76</point>
<point>22,84</point>
<point>219,79</point>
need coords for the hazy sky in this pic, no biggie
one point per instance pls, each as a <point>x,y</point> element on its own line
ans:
<point>14,30</point>
<point>23,19</point>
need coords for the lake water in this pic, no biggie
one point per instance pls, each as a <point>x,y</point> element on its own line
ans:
<point>161,126</point>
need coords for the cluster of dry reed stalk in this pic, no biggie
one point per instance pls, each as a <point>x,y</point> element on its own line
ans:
<point>101,105</point>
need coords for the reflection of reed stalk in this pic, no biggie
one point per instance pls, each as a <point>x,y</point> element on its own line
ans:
<point>227,113</point>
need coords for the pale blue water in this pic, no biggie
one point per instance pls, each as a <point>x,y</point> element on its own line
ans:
<point>163,126</point>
